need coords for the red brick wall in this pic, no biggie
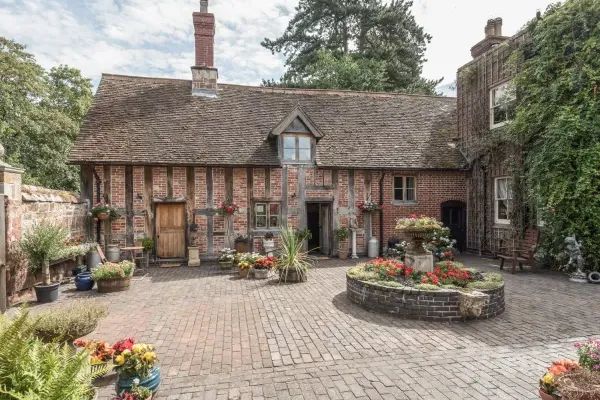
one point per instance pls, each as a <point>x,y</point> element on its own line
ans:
<point>117,192</point>
<point>433,188</point>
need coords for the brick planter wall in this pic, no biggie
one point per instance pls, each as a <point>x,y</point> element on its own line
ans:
<point>417,304</point>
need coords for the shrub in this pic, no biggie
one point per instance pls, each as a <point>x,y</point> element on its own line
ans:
<point>390,284</point>
<point>65,324</point>
<point>32,370</point>
<point>484,285</point>
<point>147,244</point>
<point>493,277</point>
<point>41,245</point>
<point>109,271</point>
<point>360,274</point>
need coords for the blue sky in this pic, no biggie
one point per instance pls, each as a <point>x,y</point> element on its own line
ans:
<point>155,37</point>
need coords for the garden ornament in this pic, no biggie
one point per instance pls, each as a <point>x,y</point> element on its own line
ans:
<point>573,250</point>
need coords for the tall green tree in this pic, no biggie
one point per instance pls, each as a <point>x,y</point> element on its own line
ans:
<point>366,33</point>
<point>558,124</point>
<point>40,115</point>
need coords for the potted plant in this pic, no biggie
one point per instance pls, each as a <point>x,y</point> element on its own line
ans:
<point>418,228</point>
<point>102,212</point>
<point>101,352</point>
<point>226,258</point>
<point>293,262</point>
<point>136,393</point>
<point>242,243</point>
<point>269,243</point>
<point>84,281</point>
<point>245,262</point>
<point>227,207</point>
<point>148,245</point>
<point>341,235</point>
<point>41,245</point>
<point>368,206</point>
<point>114,277</point>
<point>263,266</point>
<point>135,364</point>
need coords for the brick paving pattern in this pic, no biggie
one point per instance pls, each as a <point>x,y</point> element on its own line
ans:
<point>220,337</point>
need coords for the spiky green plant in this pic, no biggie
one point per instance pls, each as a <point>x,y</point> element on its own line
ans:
<point>32,370</point>
<point>291,256</point>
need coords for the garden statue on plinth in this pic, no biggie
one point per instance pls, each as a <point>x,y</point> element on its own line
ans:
<point>418,229</point>
<point>575,259</point>
<point>353,229</point>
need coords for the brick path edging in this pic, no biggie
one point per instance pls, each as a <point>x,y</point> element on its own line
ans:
<point>410,303</point>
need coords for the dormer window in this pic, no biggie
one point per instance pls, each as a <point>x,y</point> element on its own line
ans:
<point>296,148</point>
<point>297,138</point>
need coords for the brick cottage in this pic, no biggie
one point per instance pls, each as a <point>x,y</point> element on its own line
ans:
<point>165,152</point>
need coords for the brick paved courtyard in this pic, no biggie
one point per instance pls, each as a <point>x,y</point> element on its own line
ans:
<point>220,337</point>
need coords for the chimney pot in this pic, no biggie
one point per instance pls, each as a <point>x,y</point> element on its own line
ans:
<point>204,74</point>
<point>493,37</point>
<point>203,6</point>
<point>498,29</point>
<point>490,28</point>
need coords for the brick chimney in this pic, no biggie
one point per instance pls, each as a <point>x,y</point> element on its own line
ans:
<point>493,37</point>
<point>204,74</point>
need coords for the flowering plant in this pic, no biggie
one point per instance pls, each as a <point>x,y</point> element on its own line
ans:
<point>420,222</point>
<point>387,269</point>
<point>265,263</point>
<point>451,273</point>
<point>109,271</point>
<point>137,362</point>
<point>589,355</point>
<point>227,207</point>
<point>246,260</point>
<point>100,351</point>
<point>548,382</point>
<point>242,238</point>
<point>136,392</point>
<point>227,255</point>
<point>430,279</point>
<point>369,206</point>
<point>122,345</point>
<point>101,208</point>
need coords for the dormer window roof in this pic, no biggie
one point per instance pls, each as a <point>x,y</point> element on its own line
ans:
<point>296,122</point>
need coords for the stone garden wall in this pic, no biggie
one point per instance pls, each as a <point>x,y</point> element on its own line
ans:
<point>417,304</point>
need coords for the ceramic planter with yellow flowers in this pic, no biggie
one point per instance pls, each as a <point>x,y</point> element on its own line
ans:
<point>135,363</point>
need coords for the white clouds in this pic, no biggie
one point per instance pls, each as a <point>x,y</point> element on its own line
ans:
<point>155,37</point>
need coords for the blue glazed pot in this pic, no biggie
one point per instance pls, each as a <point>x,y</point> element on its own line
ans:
<point>152,382</point>
<point>84,281</point>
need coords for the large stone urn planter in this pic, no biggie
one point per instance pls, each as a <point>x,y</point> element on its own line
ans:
<point>417,257</point>
<point>114,285</point>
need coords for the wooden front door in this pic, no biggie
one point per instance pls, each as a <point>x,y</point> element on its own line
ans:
<point>170,230</point>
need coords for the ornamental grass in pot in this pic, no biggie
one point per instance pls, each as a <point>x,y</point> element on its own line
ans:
<point>293,262</point>
<point>114,277</point>
<point>44,243</point>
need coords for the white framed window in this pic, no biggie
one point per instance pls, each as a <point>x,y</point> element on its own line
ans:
<point>502,105</point>
<point>297,148</point>
<point>405,189</point>
<point>503,199</point>
<point>267,215</point>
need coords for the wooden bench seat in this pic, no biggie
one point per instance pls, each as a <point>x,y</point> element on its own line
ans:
<point>522,253</point>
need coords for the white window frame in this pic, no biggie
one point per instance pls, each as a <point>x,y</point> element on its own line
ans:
<point>268,215</point>
<point>510,98</point>
<point>297,148</point>
<point>404,189</point>
<point>497,199</point>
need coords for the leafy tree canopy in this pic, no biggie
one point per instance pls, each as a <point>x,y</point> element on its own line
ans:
<point>40,116</point>
<point>558,123</point>
<point>374,38</point>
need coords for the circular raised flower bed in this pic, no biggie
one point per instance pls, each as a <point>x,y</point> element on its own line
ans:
<point>411,303</point>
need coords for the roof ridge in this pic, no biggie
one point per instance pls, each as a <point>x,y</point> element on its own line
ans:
<point>263,89</point>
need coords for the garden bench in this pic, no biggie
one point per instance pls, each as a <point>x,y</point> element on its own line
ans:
<point>520,255</point>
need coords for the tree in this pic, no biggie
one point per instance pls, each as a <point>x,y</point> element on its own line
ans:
<point>369,33</point>
<point>558,124</point>
<point>40,116</point>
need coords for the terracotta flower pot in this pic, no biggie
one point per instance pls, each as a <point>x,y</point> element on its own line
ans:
<point>546,396</point>
<point>244,272</point>
<point>343,254</point>
<point>103,216</point>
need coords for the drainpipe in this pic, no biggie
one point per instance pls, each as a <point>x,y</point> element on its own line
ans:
<point>381,212</point>
<point>98,183</point>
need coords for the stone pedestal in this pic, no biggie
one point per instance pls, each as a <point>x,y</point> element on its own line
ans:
<point>194,257</point>
<point>419,262</point>
<point>354,255</point>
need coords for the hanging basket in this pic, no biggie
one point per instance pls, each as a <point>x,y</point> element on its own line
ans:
<point>103,216</point>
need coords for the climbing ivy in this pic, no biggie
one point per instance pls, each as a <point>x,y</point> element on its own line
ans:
<point>558,124</point>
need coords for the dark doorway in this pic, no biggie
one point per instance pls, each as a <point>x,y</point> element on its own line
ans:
<point>318,222</point>
<point>454,216</point>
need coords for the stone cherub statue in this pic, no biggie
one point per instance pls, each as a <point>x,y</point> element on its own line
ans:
<point>573,250</point>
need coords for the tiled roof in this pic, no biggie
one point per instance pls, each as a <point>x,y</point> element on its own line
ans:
<point>157,121</point>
